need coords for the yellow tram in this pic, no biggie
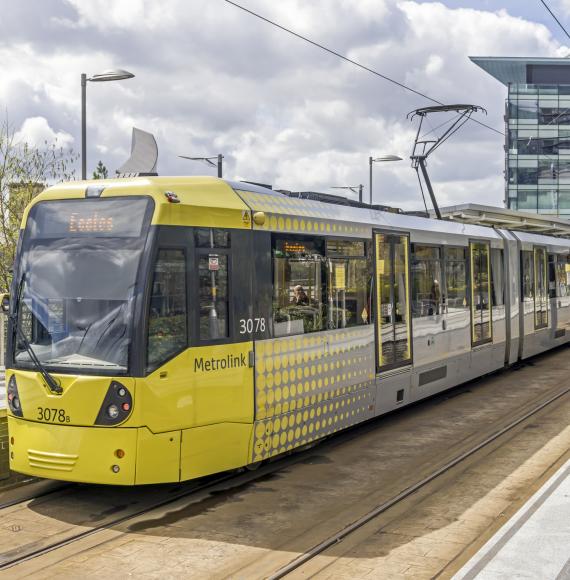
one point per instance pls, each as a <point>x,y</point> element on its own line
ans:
<point>163,329</point>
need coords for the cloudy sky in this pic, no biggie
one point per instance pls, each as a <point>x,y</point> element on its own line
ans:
<point>211,79</point>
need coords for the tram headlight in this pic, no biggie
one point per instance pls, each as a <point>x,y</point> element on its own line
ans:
<point>117,405</point>
<point>14,398</point>
<point>113,411</point>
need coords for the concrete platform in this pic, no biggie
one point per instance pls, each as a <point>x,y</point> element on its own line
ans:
<point>535,543</point>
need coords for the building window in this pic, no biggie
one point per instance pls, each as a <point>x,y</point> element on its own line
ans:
<point>167,325</point>
<point>548,169</point>
<point>527,146</point>
<point>547,201</point>
<point>528,200</point>
<point>526,175</point>
<point>524,110</point>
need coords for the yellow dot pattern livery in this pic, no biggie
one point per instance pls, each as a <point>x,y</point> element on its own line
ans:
<point>307,387</point>
<point>301,216</point>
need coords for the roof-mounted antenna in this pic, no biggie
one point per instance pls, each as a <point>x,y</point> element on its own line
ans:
<point>424,147</point>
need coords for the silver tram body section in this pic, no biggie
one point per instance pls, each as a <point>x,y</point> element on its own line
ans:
<point>444,348</point>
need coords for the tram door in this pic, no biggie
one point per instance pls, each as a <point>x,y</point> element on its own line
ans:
<point>558,286</point>
<point>540,288</point>
<point>393,304</point>
<point>481,318</point>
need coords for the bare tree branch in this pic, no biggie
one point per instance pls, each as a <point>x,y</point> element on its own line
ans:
<point>24,172</point>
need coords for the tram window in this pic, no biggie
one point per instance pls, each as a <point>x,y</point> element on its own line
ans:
<point>298,286</point>
<point>427,297</point>
<point>482,330</point>
<point>392,282</point>
<point>552,274</point>
<point>346,248</point>
<point>348,291</point>
<point>167,326</point>
<point>497,278</point>
<point>211,238</point>
<point>213,296</point>
<point>562,276</point>
<point>527,276</point>
<point>456,297</point>
<point>540,288</point>
<point>565,278</point>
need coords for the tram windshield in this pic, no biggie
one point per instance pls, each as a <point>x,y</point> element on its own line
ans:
<point>77,282</point>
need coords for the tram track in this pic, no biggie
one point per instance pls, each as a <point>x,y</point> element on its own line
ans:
<point>217,485</point>
<point>342,534</point>
<point>232,481</point>
<point>28,494</point>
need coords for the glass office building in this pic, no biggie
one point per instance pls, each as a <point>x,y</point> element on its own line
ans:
<point>537,132</point>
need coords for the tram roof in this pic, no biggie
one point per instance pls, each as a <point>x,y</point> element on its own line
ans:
<point>213,202</point>
<point>283,213</point>
<point>203,201</point>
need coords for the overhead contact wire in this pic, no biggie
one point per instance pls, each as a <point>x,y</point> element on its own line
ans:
<point>349,60</point>
<point>554,16</point>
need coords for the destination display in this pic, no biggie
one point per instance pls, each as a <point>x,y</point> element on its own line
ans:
<point>114,217</point>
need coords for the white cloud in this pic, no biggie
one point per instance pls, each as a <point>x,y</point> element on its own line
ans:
<point>124,14</point>
<point>212,79</point>
<point>434,65</point>
<point>36,132</point>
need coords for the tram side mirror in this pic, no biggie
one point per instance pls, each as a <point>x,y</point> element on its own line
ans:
<point>5,302</point>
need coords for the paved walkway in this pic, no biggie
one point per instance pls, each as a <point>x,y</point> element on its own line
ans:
<point>535,543</point>
<point>252,530</point>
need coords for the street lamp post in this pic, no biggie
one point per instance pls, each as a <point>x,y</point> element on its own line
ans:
<point>108,75</point>
<point>372,160</point>
<point>209,161</point>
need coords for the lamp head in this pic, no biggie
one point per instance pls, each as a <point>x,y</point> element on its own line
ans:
<point>111,75</point>
<point>387,158</point>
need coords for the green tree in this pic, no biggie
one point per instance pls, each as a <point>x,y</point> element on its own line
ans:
<point>25,171</point>
<point>101,171</point>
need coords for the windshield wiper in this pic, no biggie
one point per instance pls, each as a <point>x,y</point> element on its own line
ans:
<point>51,383</point>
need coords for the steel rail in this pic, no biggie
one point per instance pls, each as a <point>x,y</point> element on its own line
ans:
<point>243,478</point>
<point>381,508</point>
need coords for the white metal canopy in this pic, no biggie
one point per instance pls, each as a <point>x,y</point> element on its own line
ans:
<point>498,217</point>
